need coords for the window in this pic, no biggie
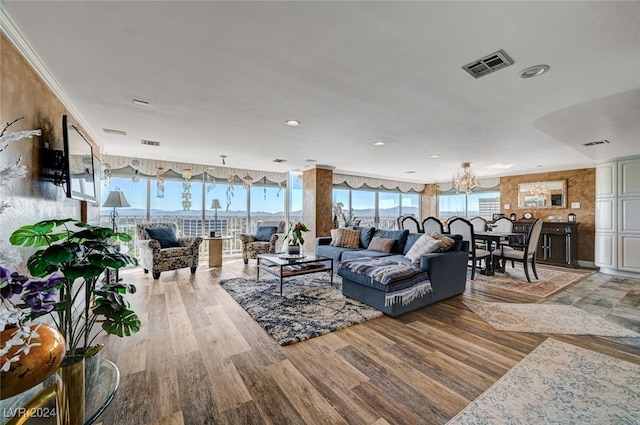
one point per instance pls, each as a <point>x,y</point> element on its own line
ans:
<point>377,208</point>
<point>482,204</point>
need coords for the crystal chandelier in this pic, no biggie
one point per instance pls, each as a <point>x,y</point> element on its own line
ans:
<point>464,180</point>
<point>540,191</point>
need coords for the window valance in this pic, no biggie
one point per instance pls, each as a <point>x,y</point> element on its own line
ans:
<point>488,184</point>
<point>149,167</point>
<point>356,182</point>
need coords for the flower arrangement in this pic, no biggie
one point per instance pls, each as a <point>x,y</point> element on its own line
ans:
<point>66,284</point>
<point>348,219</point>
<point>294,235</point>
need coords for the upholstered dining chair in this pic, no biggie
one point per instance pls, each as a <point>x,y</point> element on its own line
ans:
<point>504,225</point>
<point>269,238</point>
<point>479,224</point>
<point>399,222</point>
<point>464,228</point>
<point>526,256</point>
<point>161,249</point>
<point>411,224</point>
<point>432,225</point>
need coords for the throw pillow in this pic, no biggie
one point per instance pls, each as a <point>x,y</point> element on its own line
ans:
<point>263,234</point>
<point>424,245</point>
<point>165,235</point>
<point>446,242</point>
<point>381,244</point>
<point>348,238</point>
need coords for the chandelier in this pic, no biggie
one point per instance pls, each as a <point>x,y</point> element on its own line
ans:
<point>464,180</point>
<point>540,191</point>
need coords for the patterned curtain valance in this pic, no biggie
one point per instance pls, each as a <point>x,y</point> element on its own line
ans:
<point>356,182</point>
<point>149,167</point>
<point>492,183</point>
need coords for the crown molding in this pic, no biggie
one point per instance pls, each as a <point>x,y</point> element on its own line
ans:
<point>15,36</point>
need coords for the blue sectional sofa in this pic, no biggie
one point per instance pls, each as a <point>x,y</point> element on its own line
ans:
<point>447,271</point>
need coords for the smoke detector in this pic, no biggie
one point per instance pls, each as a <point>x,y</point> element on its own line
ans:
<point>488,64</point>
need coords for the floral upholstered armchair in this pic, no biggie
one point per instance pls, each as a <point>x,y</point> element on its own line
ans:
<point>269,238</point>
<point>161,249</point>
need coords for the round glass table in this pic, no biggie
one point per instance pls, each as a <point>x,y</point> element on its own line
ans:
<point>101,382</point>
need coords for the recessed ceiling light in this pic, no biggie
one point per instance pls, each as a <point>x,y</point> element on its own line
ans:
<point>379,143</point>
<point>112,131</point>
<point>434,156</point>
<point>410,172</point>
<point>140,102</point>
<point>539,166</point>
<point>534,71</point>
<point>310,160</point>
<point>292,123</point>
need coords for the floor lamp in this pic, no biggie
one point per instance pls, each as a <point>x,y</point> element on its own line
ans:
<point>215,205</point>
<point>115,200</point>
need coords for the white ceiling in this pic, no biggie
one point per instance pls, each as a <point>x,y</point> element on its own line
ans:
<point>222,78</point>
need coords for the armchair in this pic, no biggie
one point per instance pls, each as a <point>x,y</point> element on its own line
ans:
<point>161,249</point>
<point>269,238</point>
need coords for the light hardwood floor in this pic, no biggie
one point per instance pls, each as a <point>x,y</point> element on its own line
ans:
<point>201,359</point>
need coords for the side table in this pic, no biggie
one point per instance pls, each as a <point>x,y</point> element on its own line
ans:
<point>215,250</point>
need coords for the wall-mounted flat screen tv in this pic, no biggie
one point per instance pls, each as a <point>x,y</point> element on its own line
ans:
<point>80,183</point>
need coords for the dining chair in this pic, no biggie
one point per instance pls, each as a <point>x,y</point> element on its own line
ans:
<point>411,224</point>
<point>504,225</point>
<point>479,224</point>
<point>526,256</point>
<point>399,222</point>
<point>432,225</point>
<point>464,228</point>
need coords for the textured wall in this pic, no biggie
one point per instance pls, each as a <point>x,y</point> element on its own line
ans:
<point>581,187</point>
<point>24,94</point>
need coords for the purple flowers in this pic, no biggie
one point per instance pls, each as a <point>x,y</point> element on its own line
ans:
<point>39,294</point>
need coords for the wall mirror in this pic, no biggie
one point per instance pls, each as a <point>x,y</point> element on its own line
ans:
<point>543,194</point>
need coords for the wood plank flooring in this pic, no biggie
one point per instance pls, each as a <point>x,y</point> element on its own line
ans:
<point>201,359</point>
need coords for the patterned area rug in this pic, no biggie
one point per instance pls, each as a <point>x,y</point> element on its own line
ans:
<point>513,279</point>
<point>546,318</point>
<point>308,307</point>
<point>559,383</point>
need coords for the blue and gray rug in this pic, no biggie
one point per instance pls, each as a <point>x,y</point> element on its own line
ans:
<point>308,307</point>
<point>560,383</point>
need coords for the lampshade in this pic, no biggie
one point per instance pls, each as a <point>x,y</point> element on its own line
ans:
<point>116,199</point>
<point>215,205</point>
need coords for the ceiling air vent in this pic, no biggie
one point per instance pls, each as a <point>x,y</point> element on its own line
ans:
<point>597,142</point>
<point>149,142</point>
<point>488,64</point>
<point>279,160</point>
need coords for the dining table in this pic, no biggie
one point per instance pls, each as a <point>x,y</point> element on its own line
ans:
<point>491,237</point>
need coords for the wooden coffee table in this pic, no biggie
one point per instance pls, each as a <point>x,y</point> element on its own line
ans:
<point>284,265</point>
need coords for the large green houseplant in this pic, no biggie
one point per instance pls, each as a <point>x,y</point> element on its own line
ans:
<point>81,253</point>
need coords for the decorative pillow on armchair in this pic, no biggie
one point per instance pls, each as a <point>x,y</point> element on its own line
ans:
<point>165,235</point>
<point>424,245</point>
<point>263,234</point>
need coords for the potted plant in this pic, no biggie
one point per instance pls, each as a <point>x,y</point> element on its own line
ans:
<point>65,283</point>
<point>294,237</point>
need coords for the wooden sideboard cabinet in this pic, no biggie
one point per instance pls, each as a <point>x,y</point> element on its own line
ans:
<point>558,243</point>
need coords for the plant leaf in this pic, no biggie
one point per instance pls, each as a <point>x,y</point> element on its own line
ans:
<point>122,323</point>
<point>57,254</point>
